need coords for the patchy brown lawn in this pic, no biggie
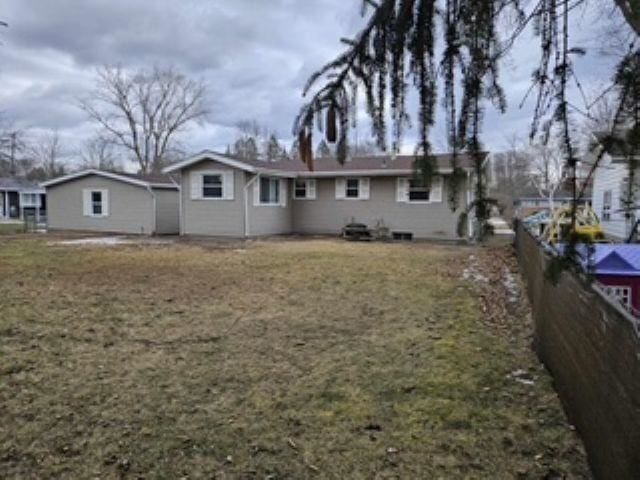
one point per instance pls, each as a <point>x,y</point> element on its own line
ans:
<point>305,359</point>
<point>11,228</point>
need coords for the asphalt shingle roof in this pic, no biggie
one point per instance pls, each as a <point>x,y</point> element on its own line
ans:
<point>17,183</point>
<point>369,162</point>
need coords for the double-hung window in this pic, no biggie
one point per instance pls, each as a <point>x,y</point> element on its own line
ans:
<point>300,189</point>
<point>352,188</point>
<point>269,191</point>
<point>212,186</point>
<point>418,192</point>
<point>414,190</point>
<point>96,203</point>
<point>304,189</point>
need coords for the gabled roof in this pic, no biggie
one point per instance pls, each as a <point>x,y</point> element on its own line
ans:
<point>153,180</point>
<point>621,259</point>
<point>369,165</point>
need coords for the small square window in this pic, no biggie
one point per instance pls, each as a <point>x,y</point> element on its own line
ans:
<point>212,186</point>
<point>352,190</point>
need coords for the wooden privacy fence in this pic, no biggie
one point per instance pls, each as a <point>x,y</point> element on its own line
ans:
<point>592,348</point>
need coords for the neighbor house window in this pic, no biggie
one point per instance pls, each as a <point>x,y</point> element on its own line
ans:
<point>211,186</point>
<point>606,205</point>
<point>622,294</point>
<point>269,191</point>
<point>352,188</point>
<point>418,192</point>
<point>96,203</point>
<point>29,199</point>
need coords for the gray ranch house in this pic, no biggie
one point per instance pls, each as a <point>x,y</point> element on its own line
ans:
<point>99,201</point>
<point>228,197</point>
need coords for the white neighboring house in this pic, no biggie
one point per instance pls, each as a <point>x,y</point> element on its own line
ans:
<point>609,188</point>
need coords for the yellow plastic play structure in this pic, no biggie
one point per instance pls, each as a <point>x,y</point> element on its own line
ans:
<point>587,225</point>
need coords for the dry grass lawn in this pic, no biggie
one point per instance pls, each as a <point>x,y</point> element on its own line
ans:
<point>11,228</point>
<point>281,360</point>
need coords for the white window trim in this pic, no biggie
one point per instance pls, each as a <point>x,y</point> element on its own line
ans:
<point>610,290</point>
<point>310,187</point>
<point>25,203</point>
<point>104,202</point>
<point>406,185</point>
<point>282,192</point>
<point>223,175</point>
<point>341,191</point>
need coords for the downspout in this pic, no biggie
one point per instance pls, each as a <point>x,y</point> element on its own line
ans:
<point>246,203</point>
<point>180,216</point>
<point>154,217</point>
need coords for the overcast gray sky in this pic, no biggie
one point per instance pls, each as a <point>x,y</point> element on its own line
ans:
<point>255,56</point>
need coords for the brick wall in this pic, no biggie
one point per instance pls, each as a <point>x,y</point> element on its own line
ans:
<point>592,349</point>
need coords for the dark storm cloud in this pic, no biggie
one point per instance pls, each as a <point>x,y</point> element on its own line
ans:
<point>255,56</point>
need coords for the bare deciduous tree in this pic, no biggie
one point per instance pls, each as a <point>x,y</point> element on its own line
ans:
<point>98,152</point>
<point>257,142</point>
<point>13,145</point>
<point>511,168</point>
<point>548,170</point>
<point>144,112</point>
<point>47,152</point>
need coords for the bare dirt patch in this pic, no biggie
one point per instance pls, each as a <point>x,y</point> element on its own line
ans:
<point>310,359</point>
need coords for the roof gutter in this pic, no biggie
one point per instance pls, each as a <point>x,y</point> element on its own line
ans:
<point>246,203</point>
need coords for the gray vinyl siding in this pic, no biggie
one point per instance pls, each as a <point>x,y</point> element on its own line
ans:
<point>130,207</point>
<point>270,219</point>
<point>213,217</point>
<point>167,211</point>
<point>327,215</point>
